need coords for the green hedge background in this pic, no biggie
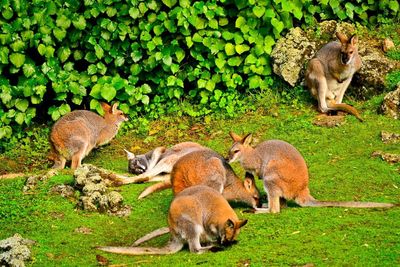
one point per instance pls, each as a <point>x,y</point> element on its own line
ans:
<point>154,57</point>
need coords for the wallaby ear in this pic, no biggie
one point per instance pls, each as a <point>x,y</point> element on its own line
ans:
<point>106,107</point>
<point>114,108</point>
<point>248,183</point>
<point>229,224</point>
<point>242,223</point>
<point>342,38</point>
<point>247,139</point>
<point>235,137</point>
<point>130,155</point>
<point>353,39</point>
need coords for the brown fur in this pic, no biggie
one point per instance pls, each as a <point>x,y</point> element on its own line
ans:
<point>330,72</point>
<point>284,173</point>
<point>197,214</point>
<point>207,167</point>
<point>75,134</point>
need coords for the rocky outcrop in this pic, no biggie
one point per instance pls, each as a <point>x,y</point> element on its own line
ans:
<point>14,251</point>
<point>93,184</point>
<point>292,53</point>
<point>391,104</point>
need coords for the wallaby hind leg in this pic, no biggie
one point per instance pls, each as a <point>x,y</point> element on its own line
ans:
<point>274,195</point>
<point>78,156</point>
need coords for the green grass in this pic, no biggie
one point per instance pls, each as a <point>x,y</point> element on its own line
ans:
<point>340,166</point>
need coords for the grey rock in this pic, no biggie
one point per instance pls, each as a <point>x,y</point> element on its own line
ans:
<point>14,251</point>
<point>391,104</point>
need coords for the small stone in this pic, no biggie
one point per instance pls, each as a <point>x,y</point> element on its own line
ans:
<point>387,45</point>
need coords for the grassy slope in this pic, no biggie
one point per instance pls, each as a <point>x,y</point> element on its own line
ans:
<point>340,165</point>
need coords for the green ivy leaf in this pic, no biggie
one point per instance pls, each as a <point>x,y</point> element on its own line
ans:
<point>20,118</point>
<point>80,23</point>
<point>17,59</point>
<point>240,49</point>
<point>229,49</point>
<point>394,5</point>
<point>169,3</point>
<point>258,11</point>
<point>240,21</point>
<point>4,55</point>
<point>108,93</point>
<point>59,33</point>
<point>278,25</point>
<point>28,70</point>
<point>220,63</point>
<point>22,104</point>
<point>234,61</point>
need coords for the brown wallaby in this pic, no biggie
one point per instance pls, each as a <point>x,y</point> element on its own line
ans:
<point>197,214</point>
<point>330,72</point>
<point>284,173</point>
<point>207,167</point>
<point>75,134</point>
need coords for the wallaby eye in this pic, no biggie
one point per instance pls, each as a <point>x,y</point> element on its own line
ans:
<point>236,151</point>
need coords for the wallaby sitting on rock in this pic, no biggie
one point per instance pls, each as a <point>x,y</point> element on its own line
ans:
<point>75,134</point>
<point>284,173</point>
<point>197,214</point>
<point>330,72</point>
<point>207,167</point>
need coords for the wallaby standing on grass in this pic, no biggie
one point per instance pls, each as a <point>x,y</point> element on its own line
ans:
<point>151,166</point>
<point>330,72</point>
<point>207,167</point>
<point>197,214</point>
<point>284,173</point>
<point>75,134</point>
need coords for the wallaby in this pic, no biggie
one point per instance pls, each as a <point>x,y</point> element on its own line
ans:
<point>284,173</point>
<point>75,134</point>
<point>330,72</point>
<point>196,215</point>
<point>151,166</point>
<point>207,167</point>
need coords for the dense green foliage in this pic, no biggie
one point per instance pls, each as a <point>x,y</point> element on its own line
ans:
<point>340,165</point>
<point>148,55</point>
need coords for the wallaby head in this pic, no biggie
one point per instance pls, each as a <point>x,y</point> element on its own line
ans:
<point>112,114</point>
<point>137,164</point>
<point>240,146</point>
<point>348,49</point>
<point>230,231</point>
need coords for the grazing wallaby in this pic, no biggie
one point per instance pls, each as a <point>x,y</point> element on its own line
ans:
<point>75,134</point>
<point>197,214</point>
<point>330,72</point>
<point>284,173</point>
<point>151,166</point>
<point>207,167</point>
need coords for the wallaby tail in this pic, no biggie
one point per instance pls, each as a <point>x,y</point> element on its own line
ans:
<point>155,233</point>
<point>170,248</point>
<point>155,188</point>
<point>346,108</point>
<point>348,204</point>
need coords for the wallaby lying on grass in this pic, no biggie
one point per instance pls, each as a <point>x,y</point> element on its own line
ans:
<point>151,166</point>
<point>207,167</point>
<point>75,134</point>
<point>284,173</point>
<point>330,72</point>
<point>197,214</point>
